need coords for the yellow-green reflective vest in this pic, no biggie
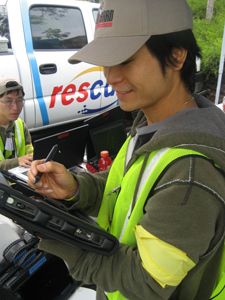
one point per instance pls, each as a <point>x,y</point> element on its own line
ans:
<point>19,140</point>
<point>115,211</point>
<point>219,291</point>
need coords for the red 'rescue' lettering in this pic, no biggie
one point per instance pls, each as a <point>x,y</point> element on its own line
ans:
<point>56,90</point>
<point>83,92</point>
<point>68,91</point>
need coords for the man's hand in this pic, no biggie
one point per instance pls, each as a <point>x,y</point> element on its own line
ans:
<point>56,181</point>
<point>26,160</point>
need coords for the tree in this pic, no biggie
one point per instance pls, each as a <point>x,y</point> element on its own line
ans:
<point>209,10</point>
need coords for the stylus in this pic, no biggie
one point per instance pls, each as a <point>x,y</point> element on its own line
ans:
<point>48,158</point>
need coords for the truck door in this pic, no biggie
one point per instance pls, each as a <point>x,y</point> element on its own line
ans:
<point>64,92</point>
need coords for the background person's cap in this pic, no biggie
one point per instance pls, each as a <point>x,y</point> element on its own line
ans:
<point>123,27</point>
<point>9,84</point>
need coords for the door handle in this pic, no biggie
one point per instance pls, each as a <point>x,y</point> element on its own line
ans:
<point>48,69</point>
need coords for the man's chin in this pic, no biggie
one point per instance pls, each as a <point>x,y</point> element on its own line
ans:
<point>14,117</point>
<point>126,108</point>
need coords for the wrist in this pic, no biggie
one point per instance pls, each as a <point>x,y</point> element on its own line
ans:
<point>71,195</point>
<point>73,198</point>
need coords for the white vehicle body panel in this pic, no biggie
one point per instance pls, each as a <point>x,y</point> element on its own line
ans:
<point>72,92</point>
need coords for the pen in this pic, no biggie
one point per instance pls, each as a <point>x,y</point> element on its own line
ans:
<point>48,158</point>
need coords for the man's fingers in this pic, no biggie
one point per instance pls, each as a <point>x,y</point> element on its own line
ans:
<point>51,167</point>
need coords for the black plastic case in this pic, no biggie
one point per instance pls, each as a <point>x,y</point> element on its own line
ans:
<point>46,221</point>
<point>39,275</point>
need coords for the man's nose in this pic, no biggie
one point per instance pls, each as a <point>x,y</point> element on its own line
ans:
<point>113,74</point>
<point>14,104</point>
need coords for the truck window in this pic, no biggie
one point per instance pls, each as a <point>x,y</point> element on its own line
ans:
<point>55,27</point>
<point>95,13</point>
<point>4,25</point>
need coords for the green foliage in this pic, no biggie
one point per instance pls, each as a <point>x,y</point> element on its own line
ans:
<point>198,8</point>
<point>209,33</point>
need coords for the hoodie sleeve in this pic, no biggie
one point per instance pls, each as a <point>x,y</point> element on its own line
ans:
<point>181,214</point>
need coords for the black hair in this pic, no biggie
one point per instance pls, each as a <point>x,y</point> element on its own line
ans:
<point>161,46</point>
<point>9,92</point>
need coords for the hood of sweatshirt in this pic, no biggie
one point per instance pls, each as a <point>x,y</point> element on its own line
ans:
<point>202,130</point>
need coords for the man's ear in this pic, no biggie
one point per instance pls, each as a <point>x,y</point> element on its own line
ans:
<point>179,56</point>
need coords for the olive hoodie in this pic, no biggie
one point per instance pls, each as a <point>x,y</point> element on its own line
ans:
<point>185,209</point>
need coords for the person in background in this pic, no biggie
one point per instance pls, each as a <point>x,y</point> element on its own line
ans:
<point>16,147</point>
<point>164,194</point>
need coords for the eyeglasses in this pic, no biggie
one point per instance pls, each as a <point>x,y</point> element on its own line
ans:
<point>11,103</point>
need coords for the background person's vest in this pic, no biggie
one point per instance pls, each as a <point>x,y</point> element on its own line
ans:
<point>19,141</point>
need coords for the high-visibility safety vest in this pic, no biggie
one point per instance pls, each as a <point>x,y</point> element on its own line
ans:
<point>19,140</point>
<point>116,213</point>
<point>219,291</point>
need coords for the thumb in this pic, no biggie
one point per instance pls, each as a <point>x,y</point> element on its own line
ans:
<point>42,167</point>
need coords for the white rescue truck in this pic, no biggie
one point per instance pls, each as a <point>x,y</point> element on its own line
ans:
<point>37,38</point>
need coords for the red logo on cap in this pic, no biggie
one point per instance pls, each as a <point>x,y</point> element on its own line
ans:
<point>105,18</point>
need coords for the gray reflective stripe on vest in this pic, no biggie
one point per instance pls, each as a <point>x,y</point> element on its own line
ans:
<point>19,138</point>
<point>148,170</point>
<point>2,156</point>
<point>130,149</point>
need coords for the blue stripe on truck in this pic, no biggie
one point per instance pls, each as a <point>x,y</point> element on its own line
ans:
<point>33,62</point>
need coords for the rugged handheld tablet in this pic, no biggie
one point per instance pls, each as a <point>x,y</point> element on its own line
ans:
<point>34,213</point>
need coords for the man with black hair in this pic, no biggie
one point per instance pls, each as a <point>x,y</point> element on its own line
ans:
<point>164,196</point>
<point>16,148</point>
<point>162,47</point>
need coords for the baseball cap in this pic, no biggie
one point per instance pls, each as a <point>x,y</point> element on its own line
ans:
<point>124,26</point>
<point>9,84</point>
